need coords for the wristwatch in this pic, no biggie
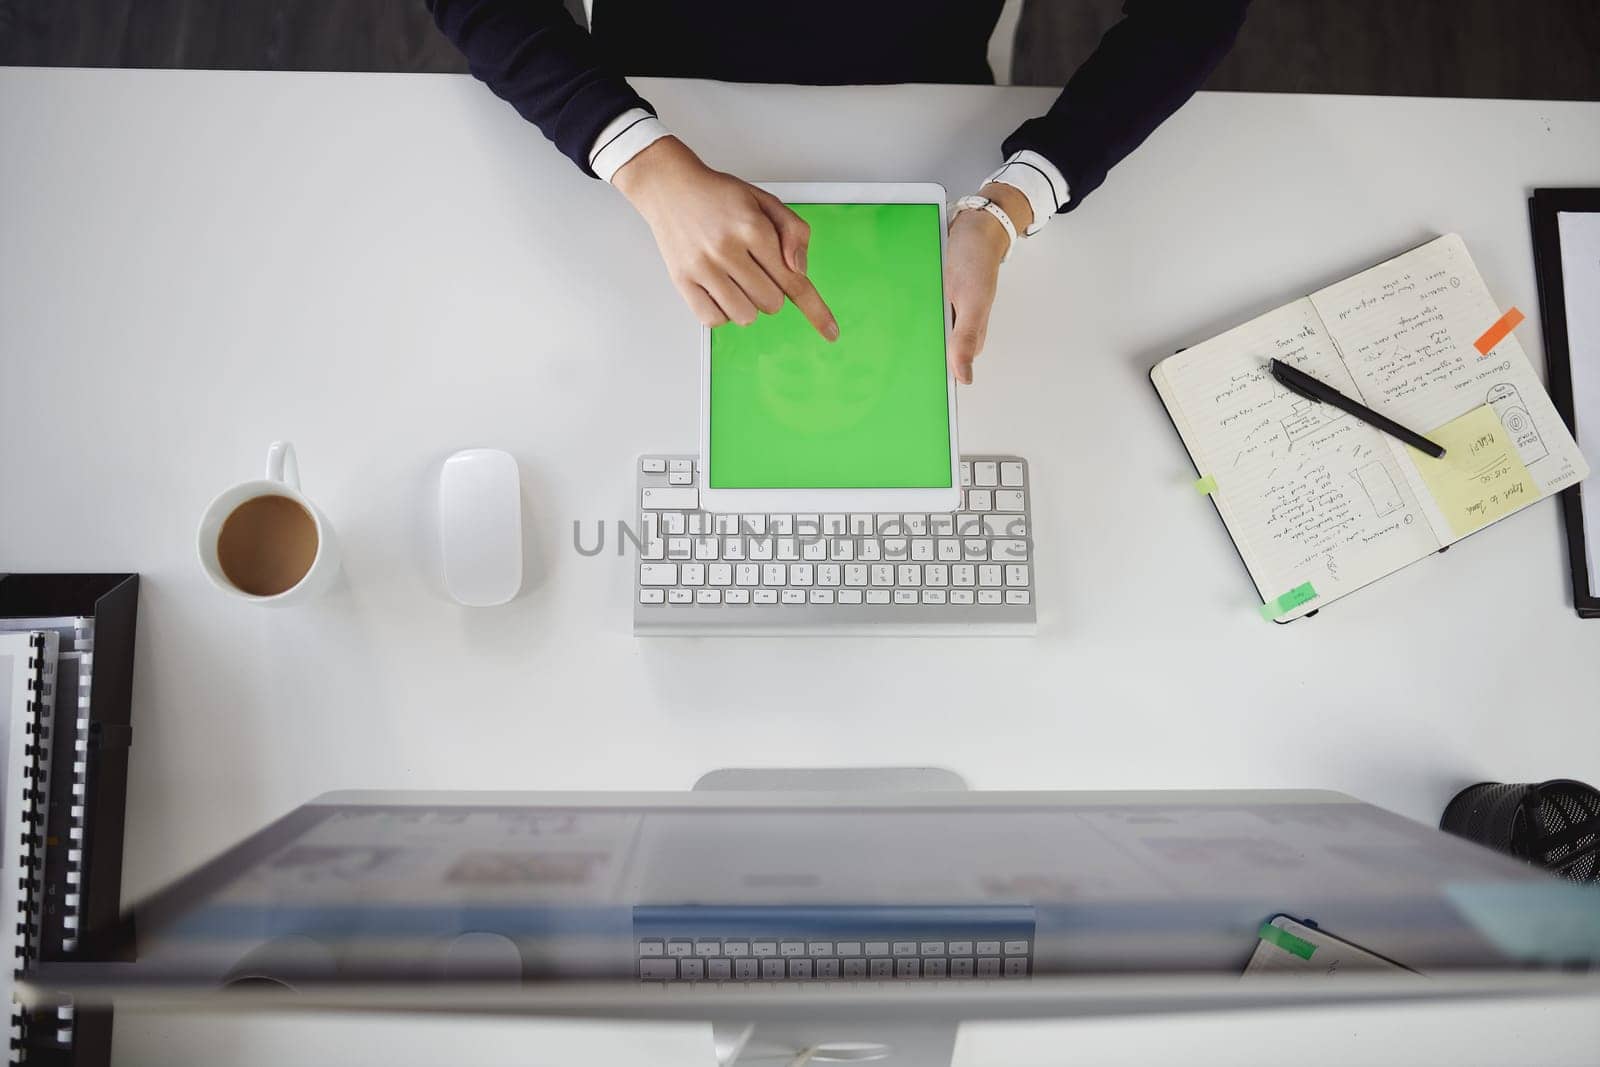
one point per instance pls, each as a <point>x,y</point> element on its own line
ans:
<point>983,203</point>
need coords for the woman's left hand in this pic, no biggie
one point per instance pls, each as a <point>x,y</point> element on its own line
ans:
<point>977,244</point>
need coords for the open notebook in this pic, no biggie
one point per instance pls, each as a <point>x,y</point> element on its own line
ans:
<point>1319,503</point>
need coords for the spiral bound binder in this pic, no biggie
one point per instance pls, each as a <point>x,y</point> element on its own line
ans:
<point>29,755</point>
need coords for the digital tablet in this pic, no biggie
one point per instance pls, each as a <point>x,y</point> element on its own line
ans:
<point>791,423</point>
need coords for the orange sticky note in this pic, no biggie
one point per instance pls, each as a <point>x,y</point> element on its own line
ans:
<point>1497,333</point>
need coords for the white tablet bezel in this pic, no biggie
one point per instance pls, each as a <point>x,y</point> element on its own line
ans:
<point>791,501</point>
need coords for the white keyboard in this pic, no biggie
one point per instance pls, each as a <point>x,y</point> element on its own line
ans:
<point>757,960</point>
<point>967,571</point>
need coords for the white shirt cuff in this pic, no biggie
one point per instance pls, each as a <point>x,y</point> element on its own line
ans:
<point>623,138</point>
<point>1036,178</point>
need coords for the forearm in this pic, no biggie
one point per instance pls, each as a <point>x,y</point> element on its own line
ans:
<point>536,58</point>
<point>1144,69</point>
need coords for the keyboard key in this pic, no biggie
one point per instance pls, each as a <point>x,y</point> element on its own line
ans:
<point>835,525</point>
<point>814,550</point>
<point>988,967</point>
<point>932,948</point>
<point>764,596</point>
<point>961,948</point>
<point>933,968</point>
<point>774,574</point>
<point>961,596</point>
<point>680,596</point>
<point>941,525</point>
<point>870,550</point>
<point>877,948</point>
<point>827,969</point>
<point>679,948</point>
<point>801,574</point>
<point>855,968</point>
<point>679,547</point>
<point>882,574</point>
<point>936,574</point>
<point>949,549</point>
<point>736,596</point>
<point>966,474</point>
<point>652,948</point>
<point>719,574</point>
<point>907,968</point>
<point>1011,474</point>
<point>841,548</point>
<point>719,970</point>
<point>828,574</point>
<point>877,596</point>
<point>849,596</point>
<point>808,525</point>
<point>680,465</point>
<point>989,574</point>
<point>969,525</point>
<point>733,548</point>
<point>692,970</point>
<point>792,596</point>
<point>760,548</point>
<point>652,596</point>
<point>861,525</point>
<point>747,574</point>
<point>895,548</point>
<point>735,948</point>
<point>986,473</point>
<point>753,524</point>
<point>822,596</point>
<point>819,948</point>
<point>1006,550</point>
<point>975,548</point>
<point>905,948</point>
<point>922,549</point>
<point>792,948</point>
<point>909,574</point>
<point>680,478</point>
<point>772,970</point>
<point>745,970</point>
<point>725,525</point>
<point>707,548</point>
<point>658,574</point>
<point>708,596</point>
<point>661,498</point>
<point>1016,967</point>
<point>880,969</point>
<point>783,525</point>
<point>980,500</point>
<point>990,596</point>
<point>699,523</point>
<point>770,948</point>
<point>652,466</point>
<point>963,574</point>
<point>849,948</point>
<point>917,525</point>
<point>961,968</point>
<point>673,522</point>
<point>1016,596</point>
<point>1016,948</point>
<point>988,948</point>
<point>890,525</point>
<point>855,574</point>
<point>693,574</point>
<point>658,969</point>
<point>933,596</point>
<point>1008,500</point>
<point>1017,574</point>
<point>905,596</point>
<point>1004,525</point>
<point>799,968</point>
<point>788,548</point>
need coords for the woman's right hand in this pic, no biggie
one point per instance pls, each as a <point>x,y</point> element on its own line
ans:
<point>731,249</point>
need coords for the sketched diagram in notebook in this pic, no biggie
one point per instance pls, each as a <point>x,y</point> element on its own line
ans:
<point>1305,418</point>
<point>1375,479</point>
<point>1507,404</point>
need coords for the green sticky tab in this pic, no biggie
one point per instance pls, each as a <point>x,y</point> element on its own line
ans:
<point>1273,935</point>
<point>1206,486</point>
<point>1286,603</point>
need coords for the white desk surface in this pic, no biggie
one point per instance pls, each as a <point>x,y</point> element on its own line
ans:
<point>387,268</point>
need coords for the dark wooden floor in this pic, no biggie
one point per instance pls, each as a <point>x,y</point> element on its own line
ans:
<point>1507,48</point>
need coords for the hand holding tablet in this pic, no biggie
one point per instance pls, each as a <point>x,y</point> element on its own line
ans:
<point>791,423</point>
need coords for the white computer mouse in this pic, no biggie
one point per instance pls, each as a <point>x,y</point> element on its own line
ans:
<point>480,526</point>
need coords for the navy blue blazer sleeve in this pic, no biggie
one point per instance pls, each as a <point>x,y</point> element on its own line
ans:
<point>1146,66</point>
<point>541,62</point>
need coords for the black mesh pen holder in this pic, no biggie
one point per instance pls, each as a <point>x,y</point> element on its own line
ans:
<point>1554,825</point>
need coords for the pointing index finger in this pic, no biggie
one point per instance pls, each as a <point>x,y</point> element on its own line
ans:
<point>798,288</point>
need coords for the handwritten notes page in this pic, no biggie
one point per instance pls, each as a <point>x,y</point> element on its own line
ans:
<point>1405,330</point>
<point>1309,493</point>
<point>1480,477</point>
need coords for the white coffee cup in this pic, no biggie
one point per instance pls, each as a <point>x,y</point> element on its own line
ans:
<point>283,479</point>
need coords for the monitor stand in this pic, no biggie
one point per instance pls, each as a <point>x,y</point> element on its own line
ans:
<point>819,1041</point>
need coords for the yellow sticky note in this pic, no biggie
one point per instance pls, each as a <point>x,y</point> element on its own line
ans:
<point>1481,477</point>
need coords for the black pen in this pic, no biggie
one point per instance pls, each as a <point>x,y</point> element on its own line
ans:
<point>1298,381</point>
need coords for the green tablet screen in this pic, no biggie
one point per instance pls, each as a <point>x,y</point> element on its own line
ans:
<point>869,411</point>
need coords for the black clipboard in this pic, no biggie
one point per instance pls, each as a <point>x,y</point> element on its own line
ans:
<point>1542,208</point>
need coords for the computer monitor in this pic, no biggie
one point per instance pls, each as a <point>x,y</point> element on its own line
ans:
<point>842,916</point>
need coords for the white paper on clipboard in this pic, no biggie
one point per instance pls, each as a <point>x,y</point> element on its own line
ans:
<point>1580,275</point>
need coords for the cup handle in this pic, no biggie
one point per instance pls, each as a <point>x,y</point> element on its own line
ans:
<point>282,466</point>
